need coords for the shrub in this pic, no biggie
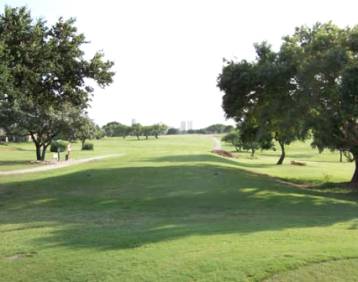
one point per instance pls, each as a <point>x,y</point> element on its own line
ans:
<point>88,146</point>
<point>58,146</point>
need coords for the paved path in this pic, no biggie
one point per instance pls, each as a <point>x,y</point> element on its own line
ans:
<point>57,165</point>
<point>217,144</point>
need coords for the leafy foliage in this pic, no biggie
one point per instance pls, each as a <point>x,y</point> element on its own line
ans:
<point>58,146</point>
<point>309,85</point>
<point>88,147</point>
<point>234,139</point>
<point>46,77</point>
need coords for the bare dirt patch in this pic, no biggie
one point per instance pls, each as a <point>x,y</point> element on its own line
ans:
<point>223,153</point>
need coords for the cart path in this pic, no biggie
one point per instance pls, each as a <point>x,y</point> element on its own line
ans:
<point>61,164</point>
<point>217,144</point>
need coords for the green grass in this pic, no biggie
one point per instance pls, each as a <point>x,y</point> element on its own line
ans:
<point>341,270</point>
<point>169,210</point>
<point>20,155</point>
<point>319,168</point>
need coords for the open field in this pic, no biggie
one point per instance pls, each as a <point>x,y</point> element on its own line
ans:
<point>169,210</point>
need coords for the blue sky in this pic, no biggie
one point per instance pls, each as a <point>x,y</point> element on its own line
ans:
<point>168,54</point>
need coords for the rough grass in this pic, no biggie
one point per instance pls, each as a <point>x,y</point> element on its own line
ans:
<point>169,210</point>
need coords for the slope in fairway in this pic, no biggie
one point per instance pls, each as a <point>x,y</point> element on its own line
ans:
<point>168,210</point>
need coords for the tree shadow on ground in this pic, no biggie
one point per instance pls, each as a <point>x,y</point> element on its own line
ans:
<point>129,207</point>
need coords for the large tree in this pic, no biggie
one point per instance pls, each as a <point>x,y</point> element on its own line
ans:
<point>48,73</point>
<point>311,83</point>
<point>328,79</point>
<point>263,91</point>
<point>116,129</point>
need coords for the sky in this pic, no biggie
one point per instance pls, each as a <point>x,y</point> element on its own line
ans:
<point>169,53</point>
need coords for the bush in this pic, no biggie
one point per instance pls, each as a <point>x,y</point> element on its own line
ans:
<point>172,131</point>
<point>58,146</point>
<point>87,147</point>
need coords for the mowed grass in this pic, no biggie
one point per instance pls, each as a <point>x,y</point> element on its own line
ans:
<point>21,155</point>
<point>319,167</point>
<point>169,210</point>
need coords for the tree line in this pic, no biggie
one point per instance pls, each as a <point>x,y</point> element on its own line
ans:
<point>306,89</point>
<point>217,128</point>
<point>117,129</point>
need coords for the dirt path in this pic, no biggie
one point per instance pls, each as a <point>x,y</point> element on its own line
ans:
<point>57,165</point>
<point>217,144</point>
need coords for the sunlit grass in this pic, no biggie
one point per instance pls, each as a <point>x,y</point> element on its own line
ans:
<point>169,210</point>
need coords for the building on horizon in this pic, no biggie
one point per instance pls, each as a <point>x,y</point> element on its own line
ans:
<point>189,125</point>
<point>183,126</point>
<point>134,121</point>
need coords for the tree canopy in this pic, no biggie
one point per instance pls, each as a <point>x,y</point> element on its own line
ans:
<point>310,84</point>
<point>46,75</point>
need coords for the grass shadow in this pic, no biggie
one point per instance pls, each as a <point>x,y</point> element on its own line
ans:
<point>128,207</point>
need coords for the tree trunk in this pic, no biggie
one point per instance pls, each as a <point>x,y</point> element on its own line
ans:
<point>83,143</point>
<point>252,152</point>
<point>354,180</point>
<point>38,152</point>
<point>283,153</point>
<point>340,156</point>
<point>43,153</point>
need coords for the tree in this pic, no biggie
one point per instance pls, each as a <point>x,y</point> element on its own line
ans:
<point>147,130</point>
<point>110,128</point>
<point>215,128</point>
<point>239,81</point>
<point>47,74</point>
<point>278,106</point>
<point>310,84</point>
<point>254,137</point>
<point>328,83</point>
<point>228,128</point>
<point>99,132</point>
<point>116,129</point>
<point>84,129</point>
<point>137,130</point>
<point>264,91</point>
<point>173,131</point>
<point>159,129</point>
<point>234,139</point>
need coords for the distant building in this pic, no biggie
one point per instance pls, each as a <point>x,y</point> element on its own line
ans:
<point>190,125</point>
<point>183,126</point>
<point>134,121</point>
